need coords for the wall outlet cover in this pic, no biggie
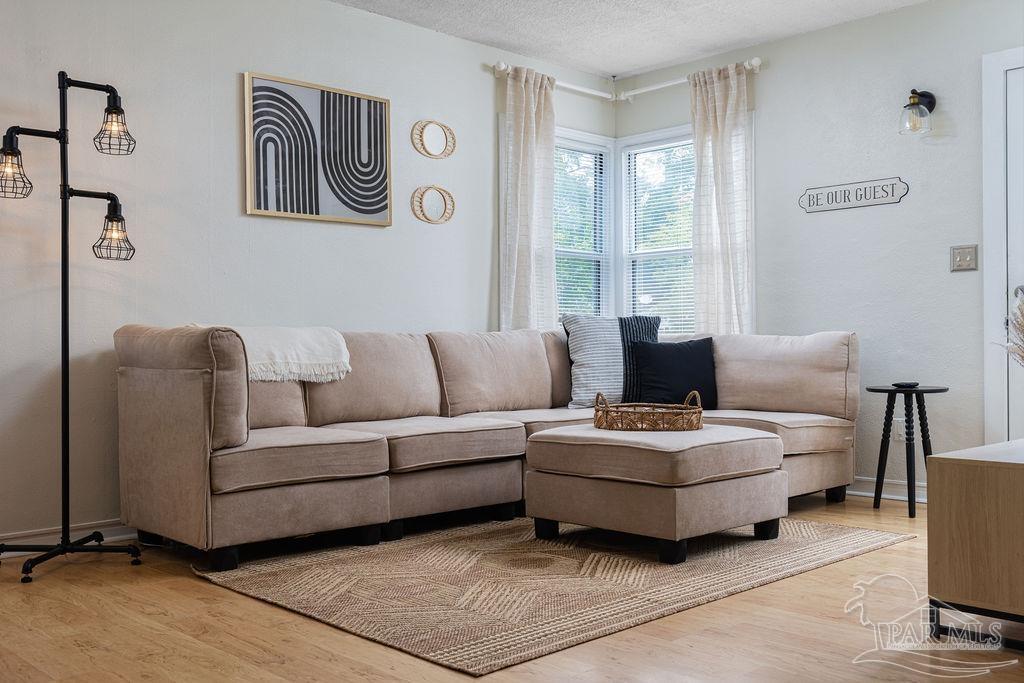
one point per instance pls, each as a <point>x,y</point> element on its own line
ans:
<point>964,257</point>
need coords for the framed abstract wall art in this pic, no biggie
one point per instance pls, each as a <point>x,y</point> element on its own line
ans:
<point>316,152</point>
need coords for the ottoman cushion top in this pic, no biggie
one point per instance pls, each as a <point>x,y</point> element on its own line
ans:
<point>664,458</point>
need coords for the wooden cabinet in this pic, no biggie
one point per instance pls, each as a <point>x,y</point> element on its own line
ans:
<point>976,527</point>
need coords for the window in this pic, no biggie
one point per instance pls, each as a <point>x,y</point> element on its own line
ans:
<point>643,263</point>
<point>658,256</point>
<point>580,226</point>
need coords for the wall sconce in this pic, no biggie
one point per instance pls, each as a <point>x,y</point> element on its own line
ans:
<point>916,115</point>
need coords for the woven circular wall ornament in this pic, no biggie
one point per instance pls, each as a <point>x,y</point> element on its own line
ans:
<point>433,204</point>
<point>433,139</point>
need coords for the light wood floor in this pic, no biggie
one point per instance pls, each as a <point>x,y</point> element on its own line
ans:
<point>93,618</point>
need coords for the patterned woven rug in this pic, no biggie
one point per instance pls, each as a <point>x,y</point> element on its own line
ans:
<point>486,596</point>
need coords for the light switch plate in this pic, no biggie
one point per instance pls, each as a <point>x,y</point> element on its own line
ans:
<point>964,257</point>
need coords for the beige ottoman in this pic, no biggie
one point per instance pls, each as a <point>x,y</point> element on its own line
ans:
<point>668,485</point>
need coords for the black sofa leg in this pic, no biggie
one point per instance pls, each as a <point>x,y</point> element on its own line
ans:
<point>521,508</point>
<point>767,530</point>
<point>368,535</point>
<point>147,538</point>
<point>545,529</point>
<point>393,531</point>
<point>836,494</point>
<point>504,512</point>
<point>671,552</point>
<point>223,559</point>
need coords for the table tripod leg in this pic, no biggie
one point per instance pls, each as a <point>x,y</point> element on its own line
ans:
<point>883,452</point>
<point>908,413</point>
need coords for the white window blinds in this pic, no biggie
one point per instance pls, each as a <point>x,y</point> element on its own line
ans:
<point>580,226</point>
<point>658,188</point>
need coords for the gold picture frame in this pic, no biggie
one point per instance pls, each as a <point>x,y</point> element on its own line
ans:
<point>310,165</point>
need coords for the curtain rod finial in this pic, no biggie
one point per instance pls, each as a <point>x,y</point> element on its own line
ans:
<point>501,68</point>
<point>754,64</point>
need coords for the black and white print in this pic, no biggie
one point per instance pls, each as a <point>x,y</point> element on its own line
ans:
<point>317,152</point>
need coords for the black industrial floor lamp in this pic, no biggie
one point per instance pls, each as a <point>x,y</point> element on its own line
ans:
<point>113,244</point>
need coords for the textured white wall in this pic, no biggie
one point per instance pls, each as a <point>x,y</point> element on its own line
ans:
<point>178,66</point>
<point>827,105</point>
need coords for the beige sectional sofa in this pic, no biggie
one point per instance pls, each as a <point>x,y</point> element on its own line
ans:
<point>423,424</point>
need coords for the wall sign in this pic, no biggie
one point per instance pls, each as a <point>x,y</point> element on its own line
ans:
<point>853,195</point>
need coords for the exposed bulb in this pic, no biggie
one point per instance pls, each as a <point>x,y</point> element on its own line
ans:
<point>915,118</point>
<point>14,184</point>
<point>113,244</point>
<point>114,137</point>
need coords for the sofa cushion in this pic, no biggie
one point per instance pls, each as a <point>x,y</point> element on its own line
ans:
<point>663,458</point>
<point>800,432</point>
<point>601,354</point>
<point>556,344</point>
<point>276,404</point>
<point>292,455</point>
<point>817,373</point>
<point>538,419</point>
<point>491,371</point>
<point>393,375</point>
<point>217,349</point>
<point>416,443</point>
<point>669,371</point>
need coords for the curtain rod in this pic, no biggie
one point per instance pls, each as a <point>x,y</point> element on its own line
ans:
<point>502,69</point>
<point>754,64</point>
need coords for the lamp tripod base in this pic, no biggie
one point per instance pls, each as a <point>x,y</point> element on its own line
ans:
<point>66,548</point>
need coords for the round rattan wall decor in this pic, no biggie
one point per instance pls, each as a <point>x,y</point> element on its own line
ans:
<point>433,204</point>
<point>433,139</point>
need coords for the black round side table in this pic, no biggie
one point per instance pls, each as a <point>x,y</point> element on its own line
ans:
<point>909,391</point>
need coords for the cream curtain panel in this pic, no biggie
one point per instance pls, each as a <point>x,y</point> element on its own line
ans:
<point>526,182</point>
<point>723,260</point>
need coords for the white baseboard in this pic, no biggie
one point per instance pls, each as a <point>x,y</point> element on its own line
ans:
<point>892,489</point>
<point>112,530</point>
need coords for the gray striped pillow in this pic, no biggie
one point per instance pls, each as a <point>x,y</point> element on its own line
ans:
<point>601,356</point>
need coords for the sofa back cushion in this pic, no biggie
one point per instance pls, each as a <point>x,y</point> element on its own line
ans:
<point>392,376</point>
<point>491,371</point>
<point>816,373</point>
<point>217,349</point>
<point>276,404</point>
<point>556,343</point>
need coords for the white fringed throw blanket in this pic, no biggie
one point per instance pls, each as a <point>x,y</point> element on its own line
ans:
<point>285,354</point>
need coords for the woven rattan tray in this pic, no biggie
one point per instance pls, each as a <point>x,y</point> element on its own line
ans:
<point>649,417</point>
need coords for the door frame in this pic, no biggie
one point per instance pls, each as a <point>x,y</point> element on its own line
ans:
<point>994,238</point>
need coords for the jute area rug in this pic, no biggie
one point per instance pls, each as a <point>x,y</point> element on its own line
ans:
<point>483,597</point>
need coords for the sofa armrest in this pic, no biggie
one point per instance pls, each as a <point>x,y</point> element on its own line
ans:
<point>853,379</point>
<point>218,350</point>
<point>164,451</point>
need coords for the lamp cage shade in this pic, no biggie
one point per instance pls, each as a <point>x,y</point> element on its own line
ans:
<point>113,244</point>
<point>114,137</point>
<point>14,184</point>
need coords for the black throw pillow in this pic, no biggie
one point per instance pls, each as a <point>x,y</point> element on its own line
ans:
<point>668,371</point>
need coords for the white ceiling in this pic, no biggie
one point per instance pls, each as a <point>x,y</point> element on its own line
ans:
<point>624,37</point>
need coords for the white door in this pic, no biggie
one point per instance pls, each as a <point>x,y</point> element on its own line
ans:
<point>1003,262</point>
<point>1015,232</point>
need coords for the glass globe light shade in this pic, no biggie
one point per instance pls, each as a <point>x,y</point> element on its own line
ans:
<point>915,118</point>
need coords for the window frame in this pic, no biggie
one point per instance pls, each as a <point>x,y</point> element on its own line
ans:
<point>617,255</point>
<point>592,143</point>
<point>625,255</point>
